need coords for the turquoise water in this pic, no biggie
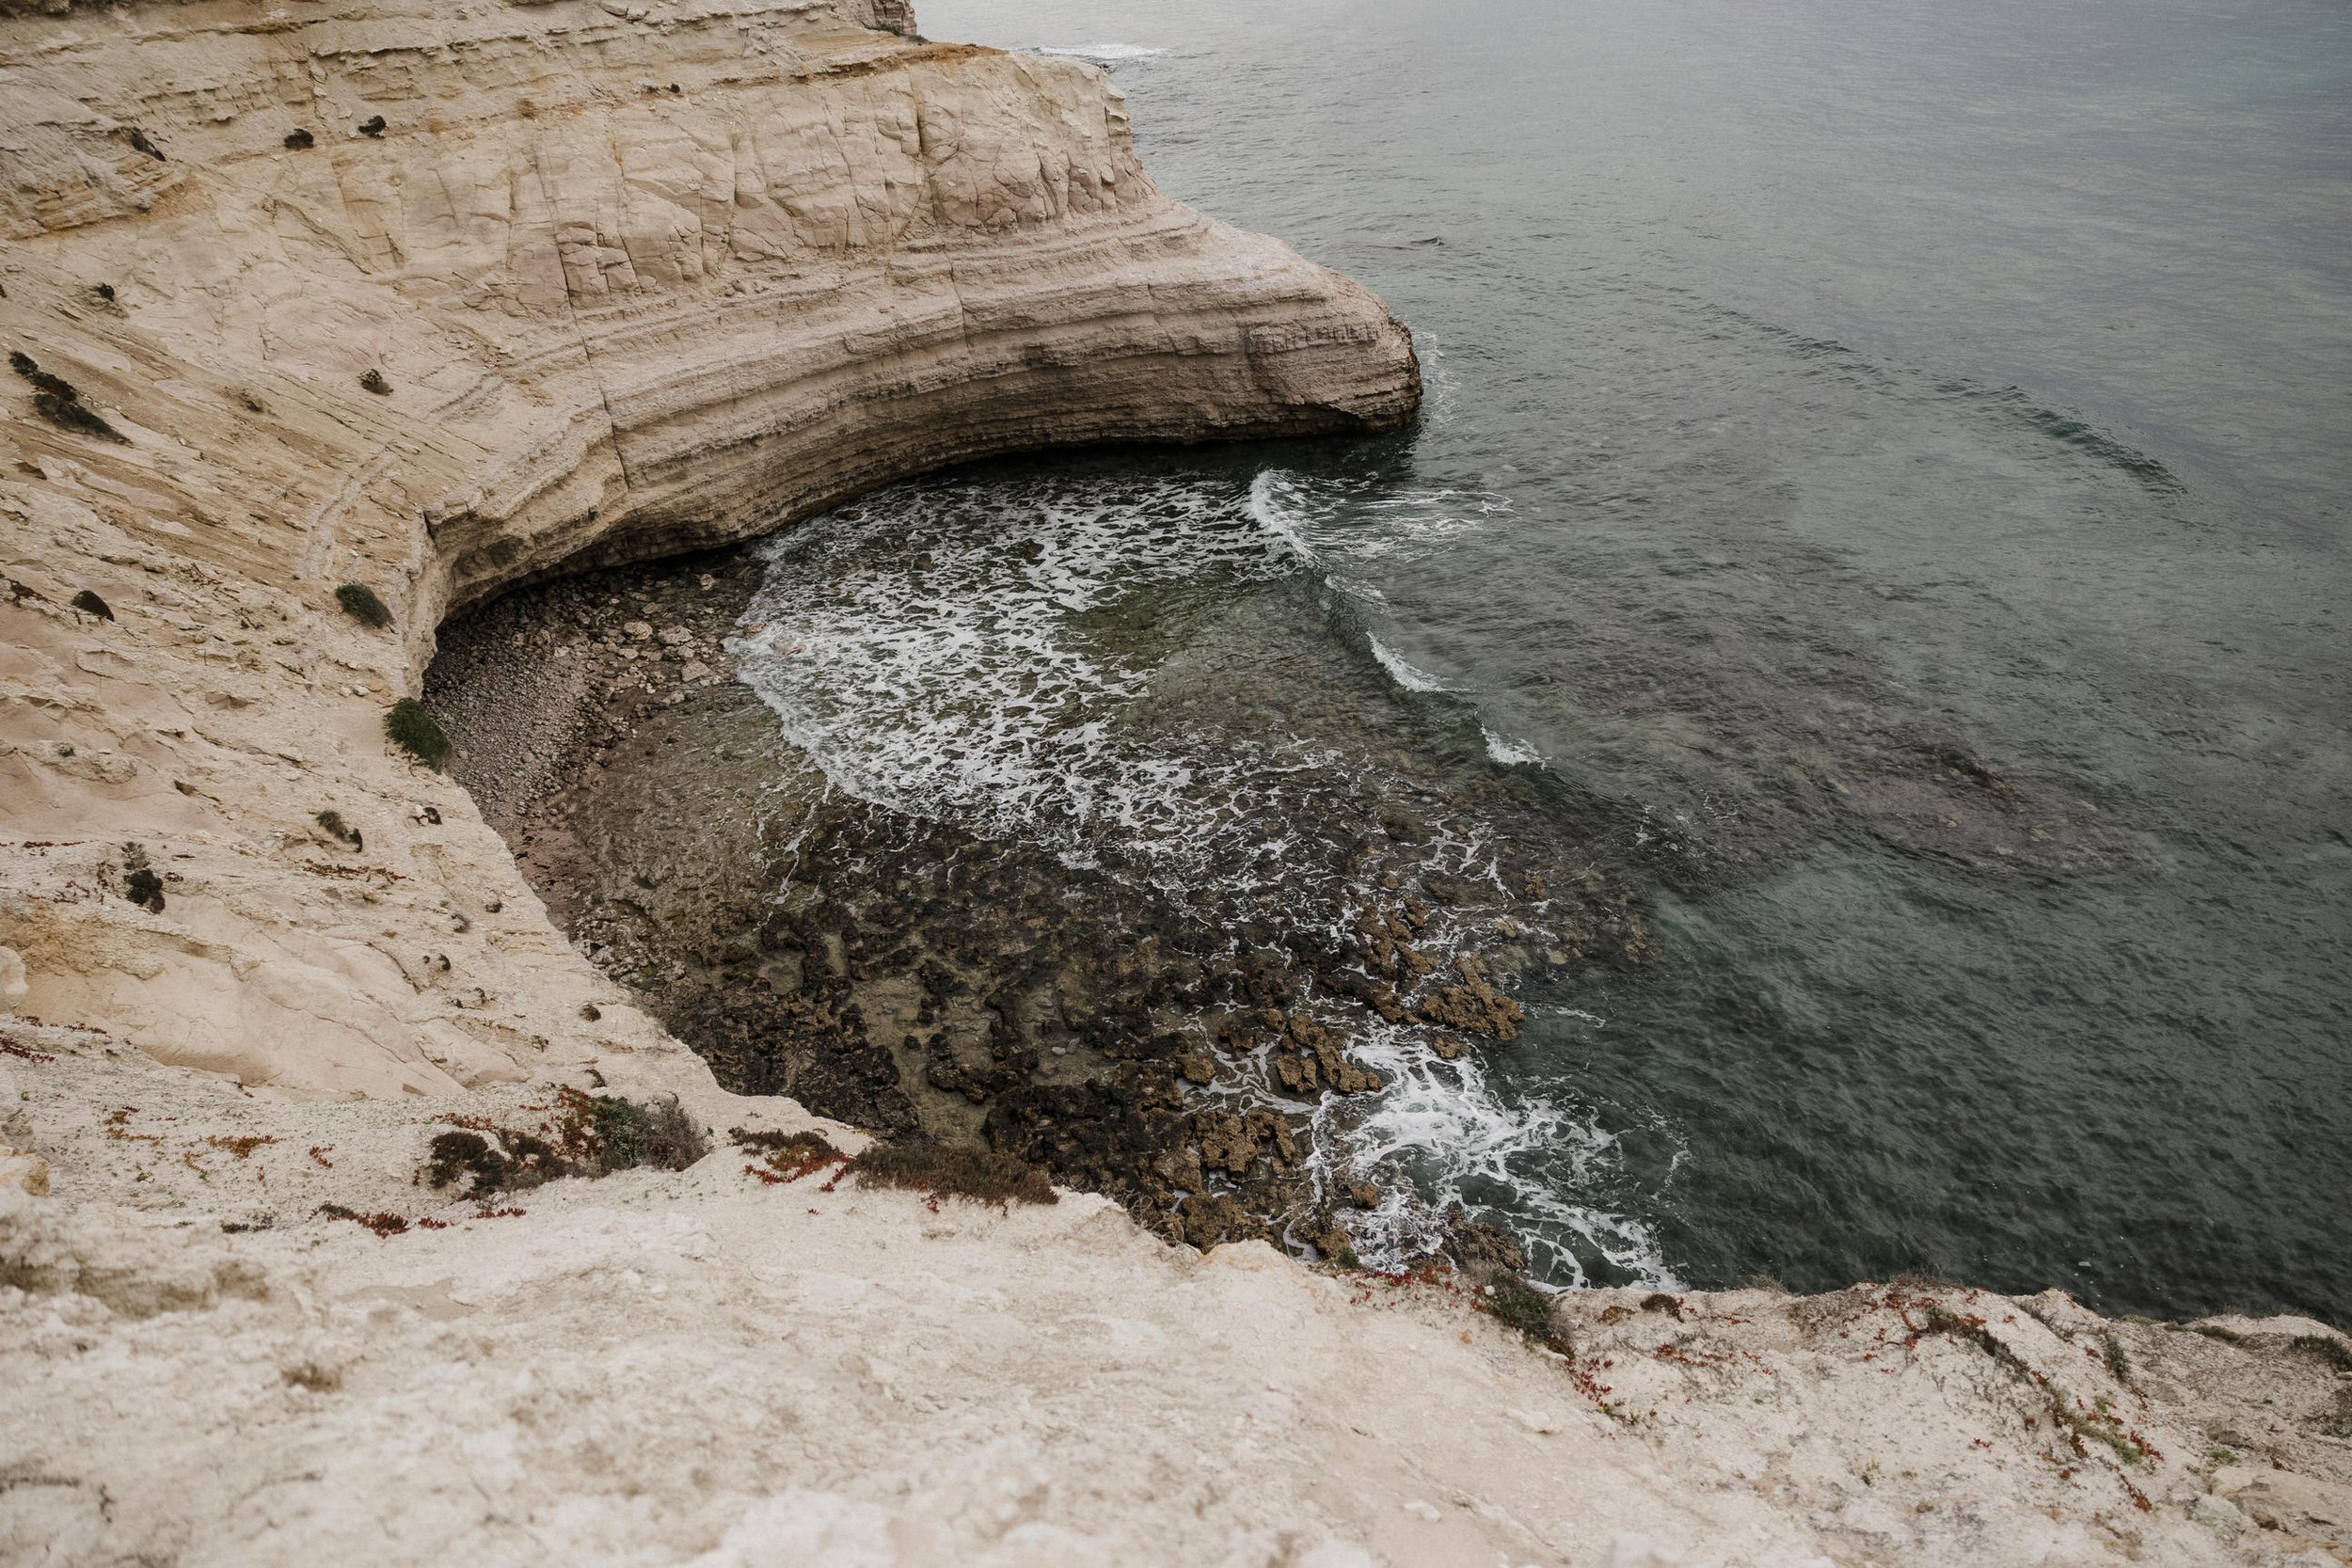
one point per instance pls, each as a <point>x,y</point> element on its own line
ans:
<point>1882,494</point>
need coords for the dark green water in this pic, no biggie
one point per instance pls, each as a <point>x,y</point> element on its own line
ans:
<point>1883,492</point>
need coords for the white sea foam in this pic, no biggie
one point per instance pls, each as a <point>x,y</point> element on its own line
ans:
<point>1102,53</point>
<point>1444,1121</point>
<point>1330,520</point>
<point>1406,676</point>
<point>1274,503</point>
<point>973,689</point>
<point>985,653</point>
<point>1509,752</point>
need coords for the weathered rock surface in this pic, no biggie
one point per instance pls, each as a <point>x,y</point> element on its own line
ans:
<point>632,280</point>
<point>707,1367</point>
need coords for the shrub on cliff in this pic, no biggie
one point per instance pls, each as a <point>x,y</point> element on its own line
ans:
<point>1513,1299</point>
<point>487,1165</point>
<point>587,1135</point>
<point>360,603</point>
<point>943,1170</point>
<point>59,401</point>
<point>410,727</point>
<point>785,1157</point>
<point>621,1134</point>
<point>2328,1349</point>
<point>73,415</point>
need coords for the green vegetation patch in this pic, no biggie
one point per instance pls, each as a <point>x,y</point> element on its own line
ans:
<point>360,603</point>
<point>2328,1349</point>
<point>584,1136</point>
<point>1512,1299</point>
<point>410,726</point>
<point>59,401</point>
<point>786,1157</point>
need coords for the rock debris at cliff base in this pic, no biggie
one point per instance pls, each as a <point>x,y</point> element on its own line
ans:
<point>909,976</point>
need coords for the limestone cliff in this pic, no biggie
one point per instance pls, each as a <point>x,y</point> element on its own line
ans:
<point>432,299</point>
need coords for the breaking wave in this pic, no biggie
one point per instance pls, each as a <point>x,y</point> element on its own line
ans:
<point>1101,53</point>
<point>1067,660</point>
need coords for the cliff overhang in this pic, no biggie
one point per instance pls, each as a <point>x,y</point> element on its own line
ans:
<point>437,301</point>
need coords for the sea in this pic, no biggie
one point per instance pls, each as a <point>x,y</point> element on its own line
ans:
<point>1879,515</point>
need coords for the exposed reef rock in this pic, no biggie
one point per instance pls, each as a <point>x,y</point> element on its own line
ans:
<point>628,280</point>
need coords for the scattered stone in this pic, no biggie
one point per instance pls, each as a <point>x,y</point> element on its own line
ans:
<point>1474,1006</point>
<point>1181,1169</point>
<point>1478,1249</point>
<point>1210,1219</point>
<point>24,1170</point>
<point>1227,1141</point>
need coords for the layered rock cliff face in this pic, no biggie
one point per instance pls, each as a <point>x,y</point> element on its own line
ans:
<point>434,299</point>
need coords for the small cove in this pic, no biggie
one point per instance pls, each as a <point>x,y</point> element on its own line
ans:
<point>1905,587</point>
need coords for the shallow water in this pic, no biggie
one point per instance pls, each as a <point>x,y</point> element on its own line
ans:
<point>1882,499</point>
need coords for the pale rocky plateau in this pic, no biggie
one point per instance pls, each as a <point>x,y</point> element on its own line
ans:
<point>440,300</point>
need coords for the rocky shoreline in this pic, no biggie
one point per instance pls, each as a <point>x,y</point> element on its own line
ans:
<point>916,981</point>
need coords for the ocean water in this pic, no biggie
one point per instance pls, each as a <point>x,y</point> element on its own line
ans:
<point>1881,505</point>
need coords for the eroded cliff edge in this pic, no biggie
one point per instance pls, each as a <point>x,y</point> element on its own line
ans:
<point>436,299</point>
<point>634,279</point>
